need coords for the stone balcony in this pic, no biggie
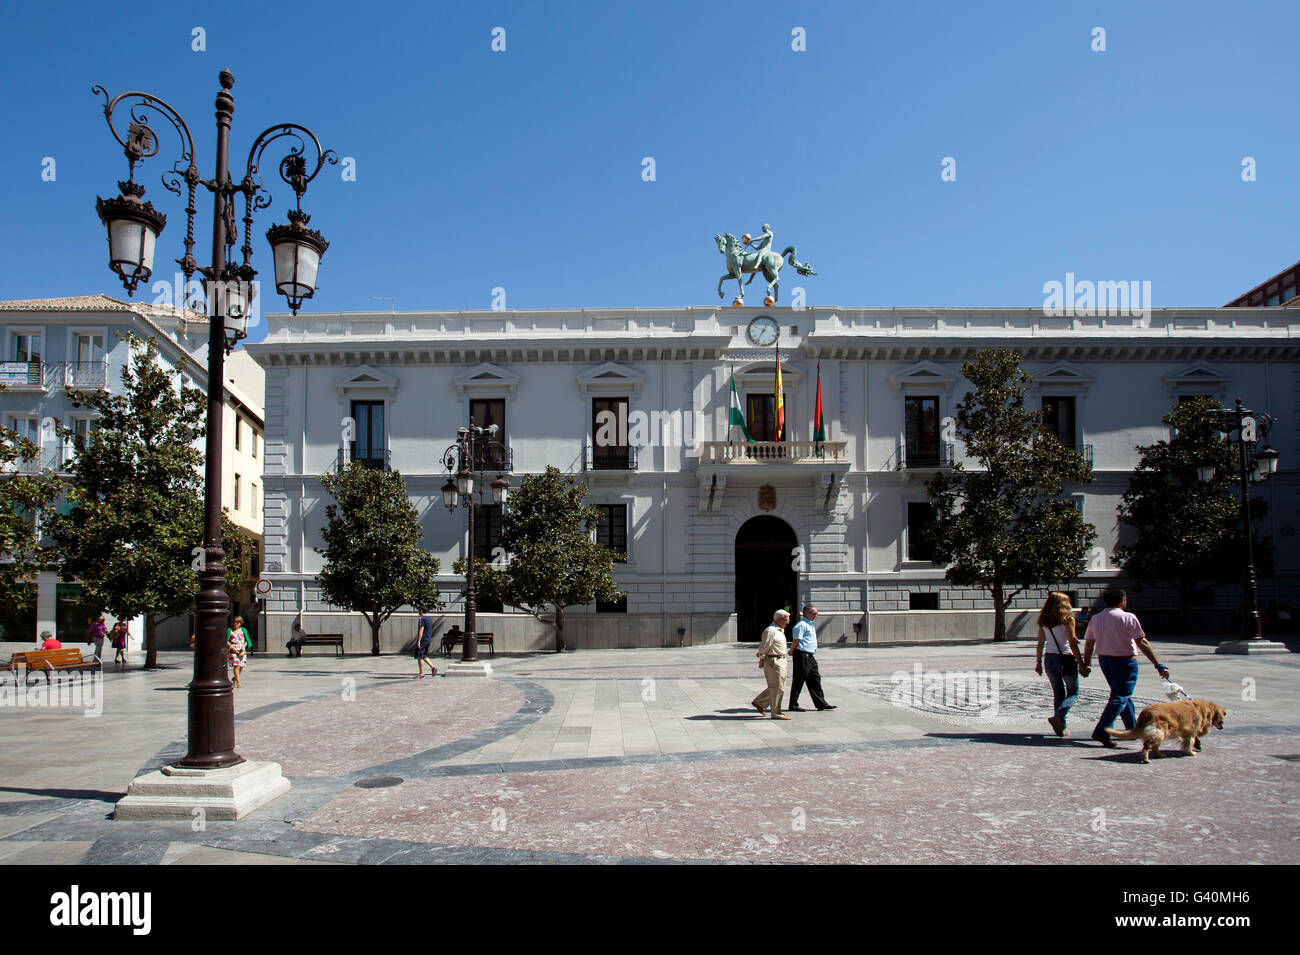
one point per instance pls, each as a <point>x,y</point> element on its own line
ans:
<point>766,453</point>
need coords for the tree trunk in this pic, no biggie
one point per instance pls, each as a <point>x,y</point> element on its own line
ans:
<point>150,642</point>
<point>999,613</point>
<point>559,629</point>
<point>375,624</point>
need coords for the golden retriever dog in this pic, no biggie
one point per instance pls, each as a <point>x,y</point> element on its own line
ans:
<point>1189,719</point>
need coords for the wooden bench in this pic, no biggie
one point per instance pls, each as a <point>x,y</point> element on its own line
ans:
<point>66,660</point>
<point>334,640</point>
<point>449,642</point>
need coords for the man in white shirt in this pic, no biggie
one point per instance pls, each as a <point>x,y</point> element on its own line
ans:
<point>771,658</point>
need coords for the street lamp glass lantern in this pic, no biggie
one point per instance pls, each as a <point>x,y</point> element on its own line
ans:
<point>465,483</point>
<point>1266,462</point>
<point>1205,472</point>
<point>296,251</point>
<point>237,297</point>
<point>449,495</point>
<point>133,226</point>
<point>500,490</point>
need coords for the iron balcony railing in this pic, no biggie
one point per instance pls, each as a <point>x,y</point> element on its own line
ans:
<point>373,458</point>
<point>932,456</point>
<point>77,374</point>
<point>611,458</point>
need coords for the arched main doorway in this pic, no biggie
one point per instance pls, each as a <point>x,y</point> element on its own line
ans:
<point>765,576</point>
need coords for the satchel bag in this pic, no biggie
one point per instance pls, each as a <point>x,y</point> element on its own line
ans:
<point>1069,665</point>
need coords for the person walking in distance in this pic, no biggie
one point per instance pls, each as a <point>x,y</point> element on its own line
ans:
<point>423,641</point>
<point>771,659</point>
<point>237,643</point>
<point>97,633</point>
<point>804,652</point>
<point>1058,650</point>
<point>1117,636</point>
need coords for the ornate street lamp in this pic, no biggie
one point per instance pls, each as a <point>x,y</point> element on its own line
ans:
<point>133,227</point>
<point>474,452</point>
<point>1251,427</point>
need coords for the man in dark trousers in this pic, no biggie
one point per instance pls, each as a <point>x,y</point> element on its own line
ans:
<point>804,651</point>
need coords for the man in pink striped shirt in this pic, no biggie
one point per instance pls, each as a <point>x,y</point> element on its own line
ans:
<point>1117,637</point>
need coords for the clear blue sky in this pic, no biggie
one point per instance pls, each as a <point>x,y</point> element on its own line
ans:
<point>523,169</point>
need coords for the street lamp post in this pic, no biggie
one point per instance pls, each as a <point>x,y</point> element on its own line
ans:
<point>473,453</point>
<point>133,227</point>
<point>1251,428</point>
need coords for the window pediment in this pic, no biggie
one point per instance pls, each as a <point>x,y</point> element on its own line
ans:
<point>366,382</point>
<point>610,378</point>
<point>1197,379</point>
<point>1061,378</point>
<point>924,376</point>
<point>487,380</point>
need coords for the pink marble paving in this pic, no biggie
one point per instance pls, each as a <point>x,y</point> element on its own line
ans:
<point>957,804</point>
<point>337,735</point>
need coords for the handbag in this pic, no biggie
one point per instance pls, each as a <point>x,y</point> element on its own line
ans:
<point>1069,665</point>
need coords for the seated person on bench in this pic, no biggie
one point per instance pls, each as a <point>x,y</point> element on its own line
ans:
<point>296,639</point>
<point>451,638</point>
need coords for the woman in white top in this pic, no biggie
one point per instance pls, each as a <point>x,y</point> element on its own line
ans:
<point>1059,649</point>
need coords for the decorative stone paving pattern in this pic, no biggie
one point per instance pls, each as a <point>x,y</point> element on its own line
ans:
<point>335,736</point>
<point>1009,702</point>
<point>976,803</point>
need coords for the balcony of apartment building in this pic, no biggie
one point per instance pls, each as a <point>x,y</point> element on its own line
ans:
<point>377,459</point>
<point>923,456</point>
<point>610,457</point>
<point>39,375</point>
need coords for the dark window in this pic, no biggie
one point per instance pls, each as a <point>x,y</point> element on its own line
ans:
<point>920,524</point>
<point>921,421</point>
<point>368,446</point>
<point>485,412</point>
<point>487,538</point>
<point>609,434</point>
<point>611,531</point>
<point>1058,418</point>
<point>760,415</point>
<point>922,601</point>
<point>612,606</point>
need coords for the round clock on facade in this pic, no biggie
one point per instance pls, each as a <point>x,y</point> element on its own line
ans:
<point>763,330</point>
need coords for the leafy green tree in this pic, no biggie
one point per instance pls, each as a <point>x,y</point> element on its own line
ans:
<point>27,501</point>
<point>554,561</point>
<point>1004,526</point>
<point>136,496</point>
<point>374,561</point>
<point>1188,531</point>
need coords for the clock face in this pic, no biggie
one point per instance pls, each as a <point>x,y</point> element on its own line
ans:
<point>763,330</point>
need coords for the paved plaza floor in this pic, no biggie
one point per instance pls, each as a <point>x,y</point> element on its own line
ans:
<point>933,755</point>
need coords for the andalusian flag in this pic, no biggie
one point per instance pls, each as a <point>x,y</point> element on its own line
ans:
<point>737,416</point>
<point>780,400</point>
<point>819,421</point>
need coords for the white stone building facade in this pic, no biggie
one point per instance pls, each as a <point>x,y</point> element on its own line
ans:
<point>718,532</point>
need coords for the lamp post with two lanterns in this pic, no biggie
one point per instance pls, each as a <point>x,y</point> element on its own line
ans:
<point>133,226</point>
<point>474,452</point>
<point>1251,428</point>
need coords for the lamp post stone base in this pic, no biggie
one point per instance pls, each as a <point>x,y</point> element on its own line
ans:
<point>227,794</point>
<point>1251,647</point>
<point>473,668</point>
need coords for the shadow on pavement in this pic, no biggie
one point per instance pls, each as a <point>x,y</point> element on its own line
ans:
<point>98,794</point>
<point>736,713</point>
<point>1017,739</point>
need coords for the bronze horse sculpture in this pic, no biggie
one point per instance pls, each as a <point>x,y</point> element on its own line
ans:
<point>741,261</point>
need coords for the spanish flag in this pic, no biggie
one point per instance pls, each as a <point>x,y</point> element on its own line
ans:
<point>780,400</point>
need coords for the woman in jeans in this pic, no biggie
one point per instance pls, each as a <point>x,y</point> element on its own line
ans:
<point>1059,650</point>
